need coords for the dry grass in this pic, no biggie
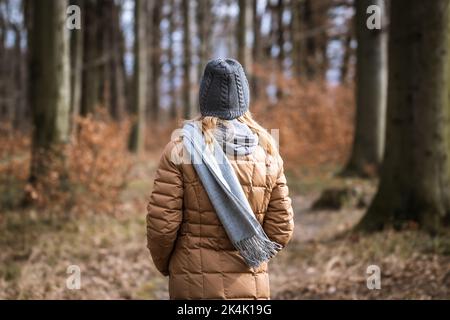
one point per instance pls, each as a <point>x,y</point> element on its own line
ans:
<point>109,250</point>
<point>413,266</point>
<point>36,249</point>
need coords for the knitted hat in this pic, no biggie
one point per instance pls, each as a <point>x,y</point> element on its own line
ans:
<point>224,91</point>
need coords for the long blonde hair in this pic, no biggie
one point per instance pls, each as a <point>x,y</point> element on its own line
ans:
<point>266,141</point>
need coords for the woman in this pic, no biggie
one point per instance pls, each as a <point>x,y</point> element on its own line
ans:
<point>219,209</point>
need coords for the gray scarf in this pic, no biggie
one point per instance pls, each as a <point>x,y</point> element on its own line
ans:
<point>224,190</point>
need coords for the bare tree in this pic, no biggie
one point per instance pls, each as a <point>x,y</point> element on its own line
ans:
<point>414,183</point>
<point>298,52</point>
<point>20,92</point>
<point>173,68</point>
<point>310,38</point>
<point>155,51</point>
<point>204,25</point>
<point>348,53</point>
<point>76,60</point>
<point>244,29</point>
<point>280,34</point>
<point>187,60</point>
<point>49,82</point>
<point>371,86</point>
<point>4,107</point>
<point>257,48</point>
<point>91,58</point>
<point>118,93</point>
<point>136,142</point>
<point>112,77</point>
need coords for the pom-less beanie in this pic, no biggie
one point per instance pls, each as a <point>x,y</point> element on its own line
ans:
<point>224,90</point>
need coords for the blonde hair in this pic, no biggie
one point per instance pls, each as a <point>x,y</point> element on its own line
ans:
<point>266,141</point>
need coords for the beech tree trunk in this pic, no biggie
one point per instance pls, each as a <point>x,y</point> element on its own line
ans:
<point>414,183</point>
<point>188,111</point>
<point>243,34</point>
<point>257,49</point>
<point>76,61</point>
<point>280,34</point>
<point>118,97</point>
<point>298,53</point>
<point>91,58</point>
<point>173,112</point>
<point>204,24</point>
<point>49,82</point>
<point>136,142</point>
<point>155,51</point>
<point>371,86</point>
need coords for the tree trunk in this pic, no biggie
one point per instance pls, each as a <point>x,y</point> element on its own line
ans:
<point>280,35</point>
<point>49,81</point>
<point>243,34</point>
<point>20,110</point>
<point>204,24</point>
<point>172,73</point>
<point>3,68</point>
<point>111,74</point>
<point>155,61</point>
<point>257,49</point>
<point>414,183</point>
<point>149,56</point>
<point>76,60</point>
<point>187,61</point>
<point>118,99</point>
<point>314,38</point>
<point>310,42</point>
<point>104,20</point>
<point>136,142</point>
<point>371,86</point>
<point>280,44</point>
<point>296,31</point>
<point>230,31</point>
<point>91,58</point>
<point>348,53</point>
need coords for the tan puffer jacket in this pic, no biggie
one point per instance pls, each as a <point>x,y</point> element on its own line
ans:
<point>188,242</point>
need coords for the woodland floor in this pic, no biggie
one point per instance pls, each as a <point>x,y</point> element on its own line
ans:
<point>323,261</point>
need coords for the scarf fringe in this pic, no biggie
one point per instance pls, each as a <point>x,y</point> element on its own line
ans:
<point>256,250</point>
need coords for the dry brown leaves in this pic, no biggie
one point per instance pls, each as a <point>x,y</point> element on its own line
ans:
<point>315,123</point>
<point>99,163</point>
<point>88,174</point>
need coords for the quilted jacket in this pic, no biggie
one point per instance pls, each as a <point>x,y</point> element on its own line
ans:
<point>186,239</point>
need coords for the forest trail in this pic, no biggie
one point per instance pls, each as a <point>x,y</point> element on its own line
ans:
<point>115,263</point>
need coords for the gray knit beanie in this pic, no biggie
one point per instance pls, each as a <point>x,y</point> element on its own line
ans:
<point>224,91</point>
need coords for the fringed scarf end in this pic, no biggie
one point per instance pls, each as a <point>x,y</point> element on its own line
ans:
<point>256,250</point>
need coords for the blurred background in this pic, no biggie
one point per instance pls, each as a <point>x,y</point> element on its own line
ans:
<point>91,90</point>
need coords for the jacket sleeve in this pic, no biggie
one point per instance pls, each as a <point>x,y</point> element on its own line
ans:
<point>279,219</point>
<point>164,211</point>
